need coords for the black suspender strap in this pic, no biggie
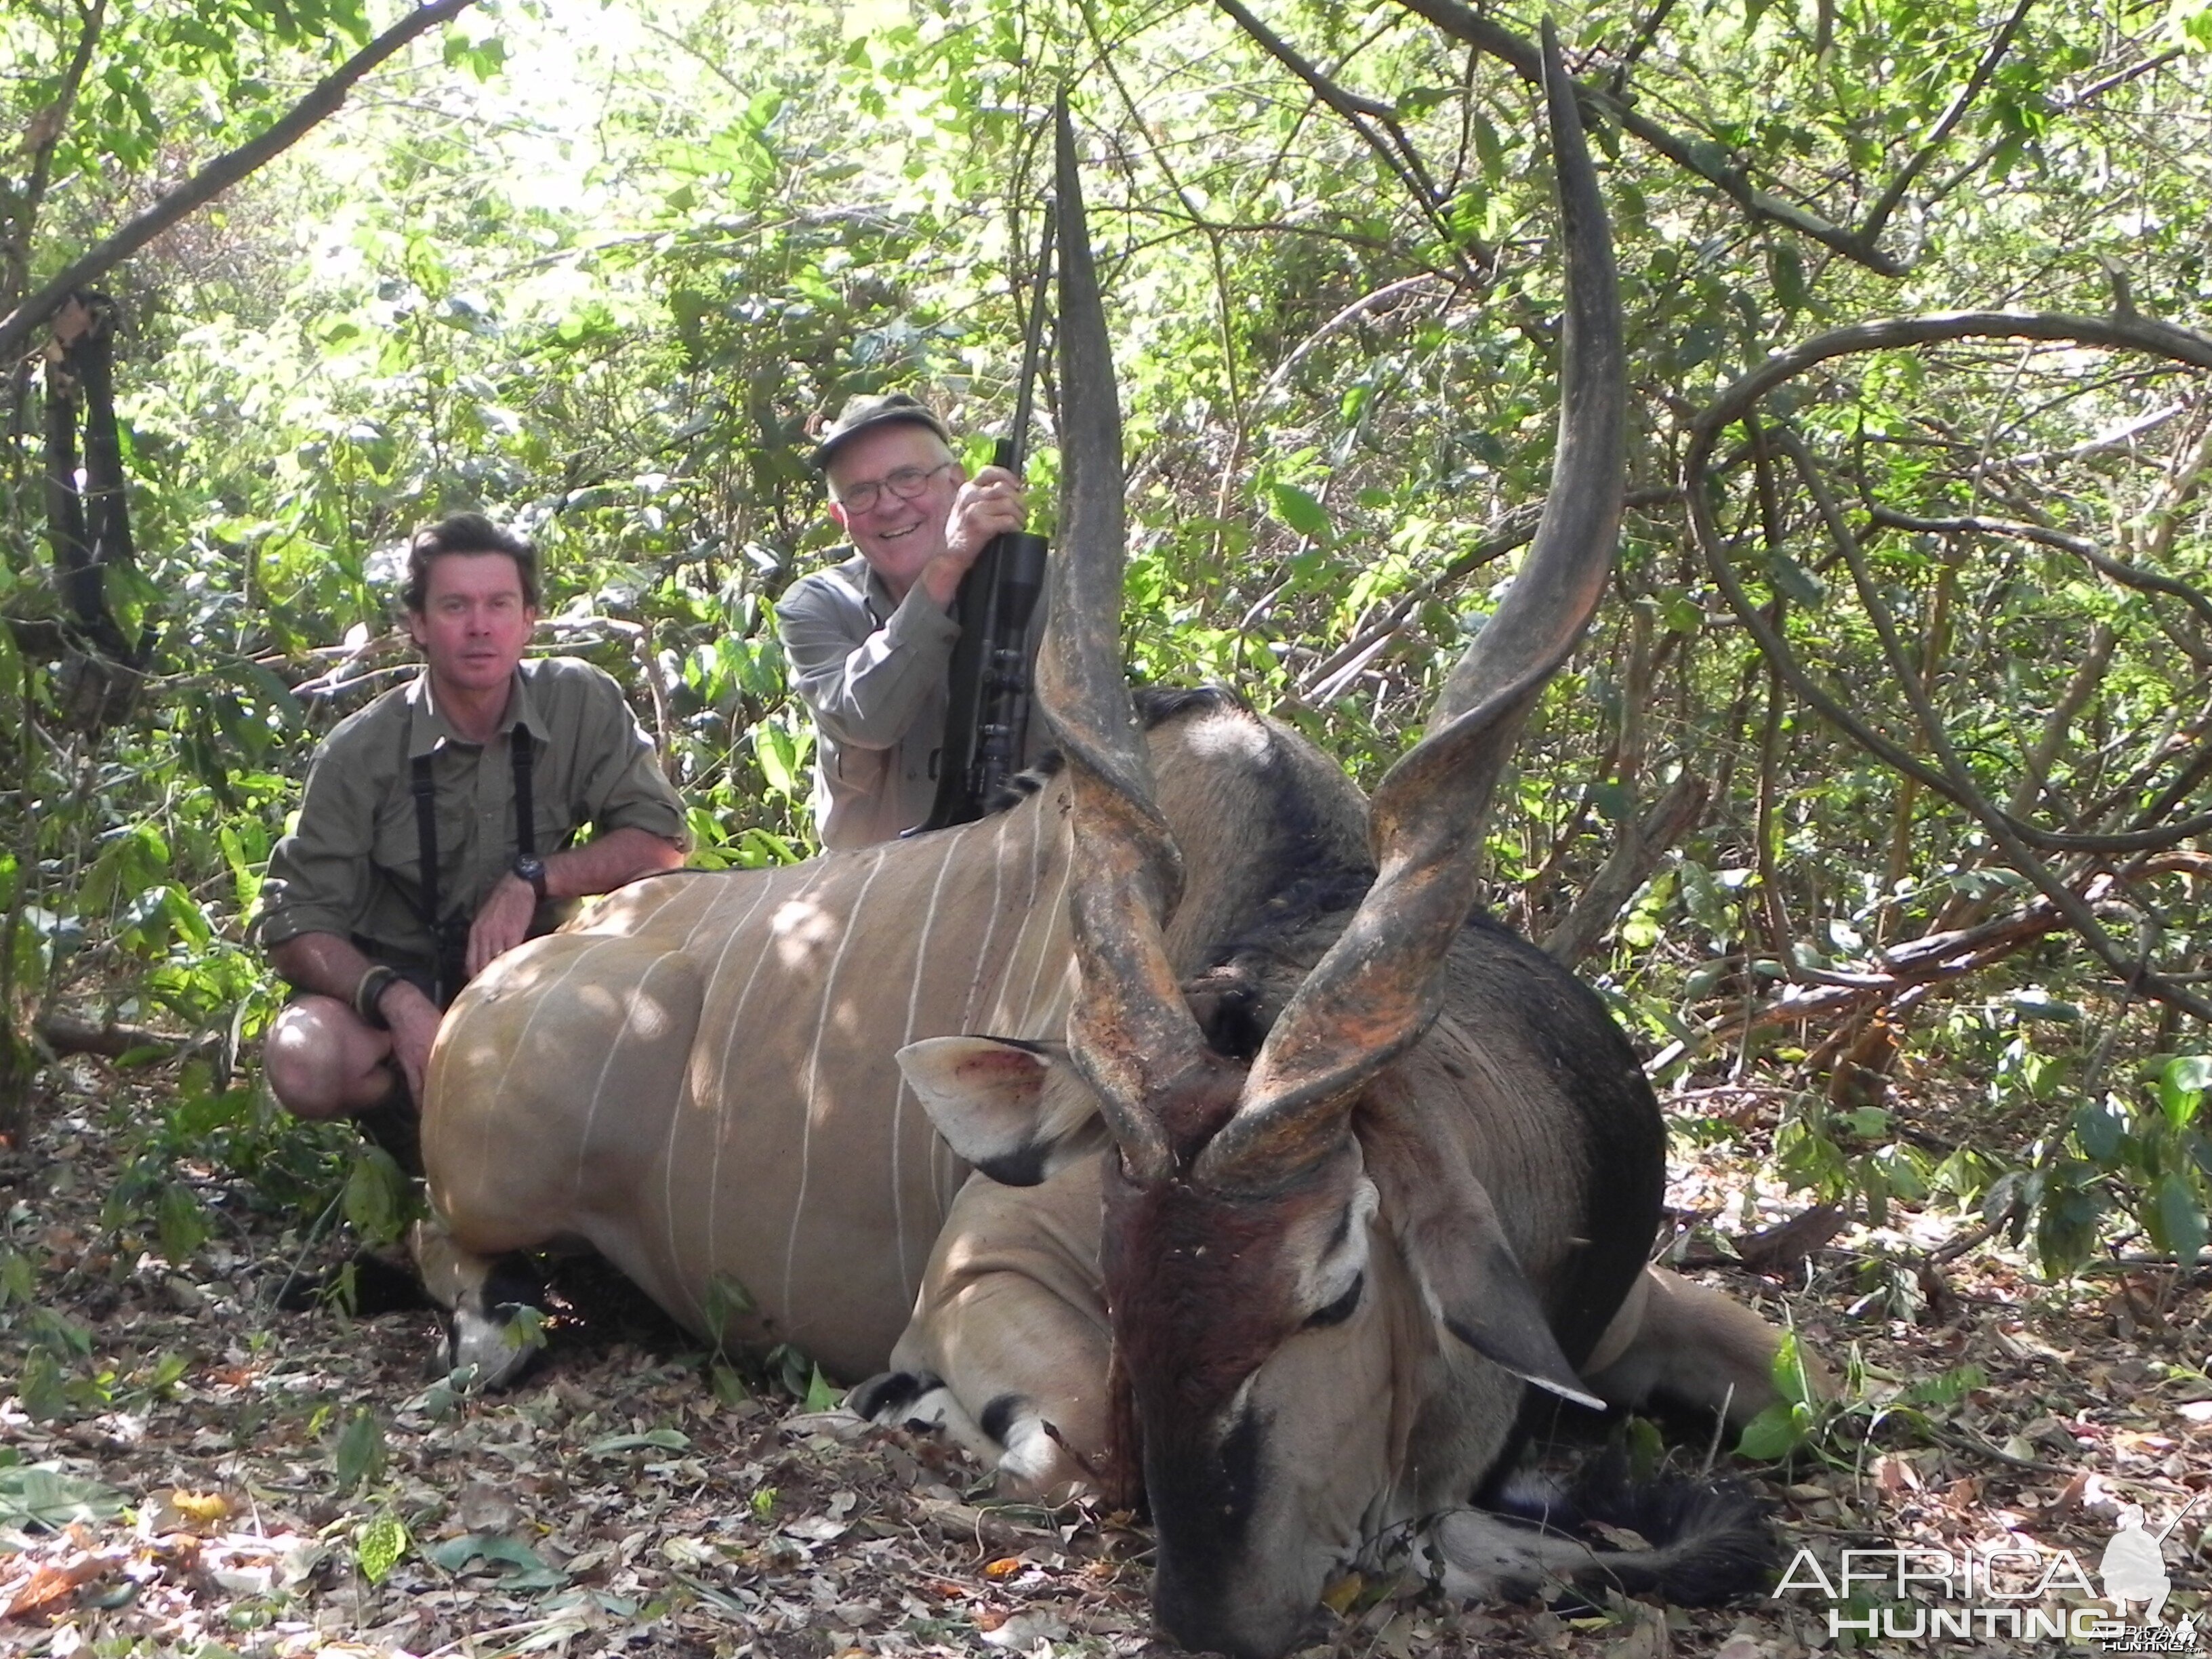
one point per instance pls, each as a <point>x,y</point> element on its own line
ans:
<point>424,788</point>
<point>526,819</point>
<point>426,838</point>
<point>447,973</point>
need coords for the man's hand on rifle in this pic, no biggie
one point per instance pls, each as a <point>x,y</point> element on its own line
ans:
<point>990,504</point>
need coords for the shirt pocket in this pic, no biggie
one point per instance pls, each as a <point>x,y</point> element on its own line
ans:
<point>397,848</point>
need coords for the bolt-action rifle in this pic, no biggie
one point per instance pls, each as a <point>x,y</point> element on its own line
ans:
<point>993,678</point>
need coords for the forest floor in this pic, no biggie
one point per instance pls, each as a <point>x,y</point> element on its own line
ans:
<point>171,1451</point>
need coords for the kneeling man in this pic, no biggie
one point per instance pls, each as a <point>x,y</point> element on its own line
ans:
<point>436,833</point>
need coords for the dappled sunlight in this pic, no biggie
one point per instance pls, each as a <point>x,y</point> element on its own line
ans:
<point>801,929</point>
<point>649,1017</point>
<point>600,997</point>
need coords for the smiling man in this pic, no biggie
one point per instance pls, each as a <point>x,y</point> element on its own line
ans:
<point>436,829</point>
<point>869,640</point>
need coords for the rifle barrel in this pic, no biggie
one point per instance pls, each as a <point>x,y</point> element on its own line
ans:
<point>1033,340</point>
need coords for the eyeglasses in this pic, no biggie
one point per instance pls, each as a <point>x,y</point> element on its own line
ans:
<point>906,483</point>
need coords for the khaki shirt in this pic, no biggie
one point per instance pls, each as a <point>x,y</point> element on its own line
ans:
<point>353,866</point>
<point>874,676</point>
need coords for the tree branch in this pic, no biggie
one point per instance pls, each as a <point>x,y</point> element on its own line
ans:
<point>1950,779</point>
<point>1776,651</point>
<point>1702,157</point>
<point>2126,574</point>
<point>2133,334</point>
<point>1878,216</point>
<point>68,1034</point>
<point>1351,314</point>
<point>320,102</point>
<point>1399,156</point>
<point>1643,843</point>
<point>48,127</point>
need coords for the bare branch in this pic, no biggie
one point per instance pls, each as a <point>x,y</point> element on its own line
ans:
<point>1838,714</point>
<point>67,1034</point>
<point>1949,779</point>
<point>1351,314</point>
<point>2119,78</point>
<point>50,124</point>
<point>1399,155</point>
<point>1877,217</point>
<point>2141,334</point>
<point>320,102</point>
<point>2126,574</point>
<point>1701,157</point>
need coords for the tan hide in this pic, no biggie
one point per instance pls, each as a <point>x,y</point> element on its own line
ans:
<point>698,1078</point>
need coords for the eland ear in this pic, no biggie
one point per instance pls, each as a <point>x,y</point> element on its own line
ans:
<point>1475,1286</point>
<point>1458,1250</point>
<point>1012,1108</point>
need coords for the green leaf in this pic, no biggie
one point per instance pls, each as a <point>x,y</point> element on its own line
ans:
<point>777,752</point>
<point>1614,802</point>
<point>820,1395</point>
<point>1794,581</point>
<point>1873,1190</point>
<point>2035,1002</point>
<point>1646,1448</point>
<point>19,1280</point>
<point>181,1223</point>
<point>482,58</point>
<point>1772,1435</point>
<point>375,1195</point>
<point>38,1387</point>
<point>528,1569</point>
<point>1868,1122</point>
<point>1302,512</point>
<point>1489,148</point>
<point>277,696</point>
<point>525,1328</point>
<point>40,1495</point>
<point>1788,1370</point>
<point>2066,1225</point>
<point>2182,1082</point>
<point>1787,265</point>
<point>1681,613</point>
<point>2176,1219</point>
<point>359,1454</point>
<point>727,1302</point>
<point>2100,1131</point>
<point>379,1545</point>
<point>125,868</point>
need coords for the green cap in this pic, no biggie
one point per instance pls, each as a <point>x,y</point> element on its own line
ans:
<point>869,410</point>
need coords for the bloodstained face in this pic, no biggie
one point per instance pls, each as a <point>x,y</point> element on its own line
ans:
<point>474,624</point>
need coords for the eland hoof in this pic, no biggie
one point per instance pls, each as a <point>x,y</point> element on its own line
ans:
<point>497,1332</point>
<point>904,1400</point>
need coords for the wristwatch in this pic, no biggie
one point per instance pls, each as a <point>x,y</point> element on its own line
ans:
<point>532,868</point>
